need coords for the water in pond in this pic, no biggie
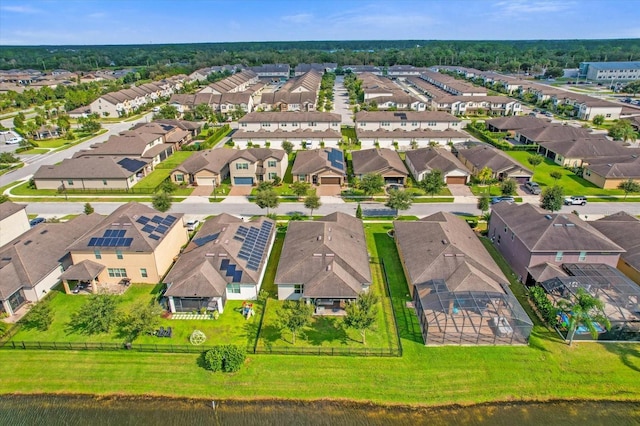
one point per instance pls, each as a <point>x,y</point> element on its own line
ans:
<point>95,411</point>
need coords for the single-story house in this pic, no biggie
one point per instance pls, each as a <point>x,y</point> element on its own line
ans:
<point>624,230</point>
<point>459,293</point>
<point>383,161</point>
<point>424,160</point>
<point>225,260</point>
<point>574,152</point>
<point>324,262</point>
<point>320,167</point>
<point>528,236</point>
<point>13,221</point>
<point>610,172</point>
<point>502,166</point>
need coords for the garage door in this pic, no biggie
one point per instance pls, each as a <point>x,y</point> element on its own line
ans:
<point>456,180</point>
<point>330,181</point>
<point>522,179</point>
<point>205,181</point>
<point>243,181</point>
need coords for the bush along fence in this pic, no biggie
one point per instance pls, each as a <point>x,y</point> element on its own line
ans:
<point>477,130</point>
<point>213,138</point>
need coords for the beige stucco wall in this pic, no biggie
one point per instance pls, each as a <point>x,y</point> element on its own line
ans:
<point>37,292</point>
<point>603,182</point>
<point>81,184</point>
<point>13,226</point>
<point>629,271</point>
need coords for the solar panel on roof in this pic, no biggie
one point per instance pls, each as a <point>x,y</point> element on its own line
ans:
<point>224,264</point>
<point>235,237</point>
<point>252,266</point>
<point>170,218</point>
<point>231,269</point>
<point>127,242</point>
<point>154,236</point>
<point>121,233</point>
<point>113,242</point>
<point>92,242</point>
<point>237,277</point>
<point>143,220</point>
<point>107,233</point>
<point>207,238</point>
<point>162,229</point>
<point>99,242</point>
<point>243,256</point>
<point>156,219</point>
<point>148,228</point>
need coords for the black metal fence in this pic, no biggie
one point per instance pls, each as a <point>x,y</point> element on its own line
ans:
<point>329,351</point>
<point>393,311</point>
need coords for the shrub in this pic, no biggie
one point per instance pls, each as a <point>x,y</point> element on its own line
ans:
<point>227,358</point>
<point>543,304</point>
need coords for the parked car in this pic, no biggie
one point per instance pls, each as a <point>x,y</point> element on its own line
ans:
<point>575,200</point>
<point>505,198</point>
<point>548,114</point>
<point>532,187</point>
<point>192,225</point>
<point>36,221</point>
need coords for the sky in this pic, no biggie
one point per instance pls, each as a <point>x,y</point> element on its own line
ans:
<point>94,22</point>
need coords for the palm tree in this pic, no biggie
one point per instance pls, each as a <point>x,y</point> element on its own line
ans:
<point>484,175</point>
<point>586,310</point>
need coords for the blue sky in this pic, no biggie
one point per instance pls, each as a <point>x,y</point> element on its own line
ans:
<point>51,22</point>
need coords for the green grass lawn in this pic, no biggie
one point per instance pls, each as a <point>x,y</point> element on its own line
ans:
<point>230,327</point>
<point>153,179</point>
<point>175,160</point>
<point>35,151</point>
<point>572,184</point>
<point>546,369</point>
<point>268,284</point>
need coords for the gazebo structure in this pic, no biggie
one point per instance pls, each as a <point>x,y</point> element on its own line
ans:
<point>620,295</point>
<point>86,272</point>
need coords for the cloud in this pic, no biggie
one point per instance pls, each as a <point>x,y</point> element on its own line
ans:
<point>300,18</point>
<point>524,7</point>
<point>20,9</point>
<point>97,15</point>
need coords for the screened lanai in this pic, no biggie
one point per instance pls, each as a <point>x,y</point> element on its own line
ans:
<point>620,295</point>
<point>469,317</point>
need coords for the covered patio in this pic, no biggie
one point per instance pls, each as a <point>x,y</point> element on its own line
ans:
<point>83,278</point>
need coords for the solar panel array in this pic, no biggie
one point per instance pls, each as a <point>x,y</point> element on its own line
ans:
<point>200,241</point>
<point>230,271</point>
<point>336,158</point>
<point>157,224</point>
<point>111,238</point>
<point>254,242</point>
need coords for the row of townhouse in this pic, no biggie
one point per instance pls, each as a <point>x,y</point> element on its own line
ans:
<point>386,94</point>
<point>238,82</point>
<point>297,94</point>
<point>125,101</point>
<point>121,161</point>
<point>202,73</point>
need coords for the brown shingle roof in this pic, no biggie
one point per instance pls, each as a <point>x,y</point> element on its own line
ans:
<point>315,160</point>
<point>624,230</point>
<point>377,160</point>
<point>400,116</point>
<point>9,208</point>
<point>329,256</point>
<point>427,159</point>
<point>290,117</point>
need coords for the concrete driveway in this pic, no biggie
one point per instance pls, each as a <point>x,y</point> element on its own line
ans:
<point>460,190</point>
<point>328,190</point>
<point>240,190</point>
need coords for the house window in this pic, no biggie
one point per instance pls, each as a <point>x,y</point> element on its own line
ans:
<point>243,124</point>
<point>97,254</point>
<point>233,288</point>
<point>414,123</point>
<point>272,175</point>
<point>104,181</point>
<point>271,163</point>
<point>294,124</point>
<point>298,288</point>
<point>242,166</point>
<point>583,256</point>
<point>119,254</point>
<point>312,124</point>
<point>265,124</point>
<point>117,272</point>
<point>559,256</point>
<point>143,272</point>
<point>70,182</point>
<point>403,124</point>
<point>302,178</point>
<point>385,123</point>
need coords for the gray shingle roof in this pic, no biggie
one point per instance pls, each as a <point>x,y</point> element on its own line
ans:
<point>9,208</point>
<point>315,160</point>
<point>540,231</point>
<point>377,160</point>
<point>624,230</point>
<point>92,167</point>
<point>427,159</point>
<point>443,246</point>
<point>486,156</point>
<point>290,117</point>
<point>329,256</point>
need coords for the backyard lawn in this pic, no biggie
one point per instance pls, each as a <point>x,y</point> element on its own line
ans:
<point>572,183</point>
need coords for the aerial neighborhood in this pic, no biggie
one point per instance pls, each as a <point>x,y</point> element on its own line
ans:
<point>323,208</point>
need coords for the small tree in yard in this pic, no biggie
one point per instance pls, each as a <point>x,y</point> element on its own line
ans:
<point>300,188</point>
<point>227,358</point>
<point>359,211</point>
<point>97,315</point>
<point>161,202</point>
<point>432,182</point>
<point>168,186</point>
<point>267,199</point>
<point>294,315</point>
<point>484,203</point>
<point>39,317</point>
<point>88,209</point>
<point>552,198</point>
<point>535,160</point>
<point>508,187</point>
<point>586,310</point>
<point>555,175</point>
<point>399,200</point>
<point>287,147</point>
<point>141,318</point>
<point>598,119</point>
<point>312,202</point>
<point>371,183</point>
<point>361,314</point>
<point>629,186</point>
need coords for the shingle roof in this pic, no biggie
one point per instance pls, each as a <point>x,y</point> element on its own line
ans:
<point>29,258</point>
<point>400,116</point>
<point>315,160</point>
<point>329,256</point>
<point>290,117</point>
<point>540,231</point>
<point>623,229</point>
<point>427,159</point>
<point>485,156</point>
<point>203,268</point>
<point>554,132</point>
<point>377,160</point>
<point>92,167</point>
<point>516,122</point>
<point>128,218</point>
<point>585,147</point>
<point>443,246</point>
<point>9,208</point>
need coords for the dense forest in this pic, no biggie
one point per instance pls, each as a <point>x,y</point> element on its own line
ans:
<point>508,56</point>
